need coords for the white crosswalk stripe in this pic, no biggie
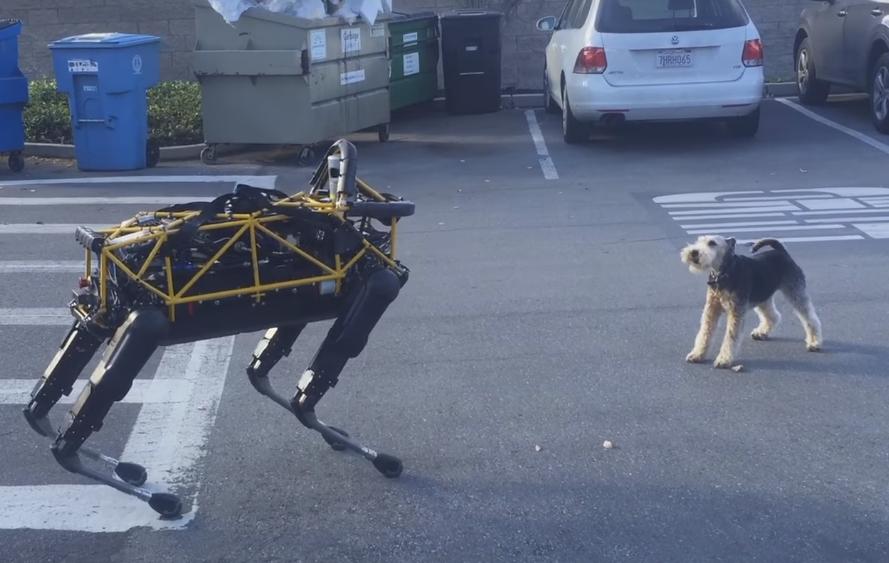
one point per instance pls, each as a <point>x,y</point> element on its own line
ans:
<point>155,201</point>
<point>43,228</point>
<point>177,405</point>
<point>255,181</point>
<point>39,266</point>
<point>808,215</point>
<point>35,316</point>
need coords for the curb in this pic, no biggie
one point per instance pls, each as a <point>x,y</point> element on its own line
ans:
<point>507,101</point>
<point>52,150</point>
<point>781,89</point>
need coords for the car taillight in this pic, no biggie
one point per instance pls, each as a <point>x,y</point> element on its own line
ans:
<point>591,60</point>
<point>752,53</point>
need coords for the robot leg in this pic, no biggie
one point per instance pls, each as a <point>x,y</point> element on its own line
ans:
<point>274,345</point>
<point>345,340</point>
<point>129,349</point>
<point>77,349</point>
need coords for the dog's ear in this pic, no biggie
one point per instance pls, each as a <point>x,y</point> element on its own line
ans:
<point>731,242</point>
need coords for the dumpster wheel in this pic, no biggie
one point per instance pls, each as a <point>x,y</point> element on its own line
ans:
<point>208,154</point>
<point>16,162</point>
<point>308,155</point>
<point>383,132</point>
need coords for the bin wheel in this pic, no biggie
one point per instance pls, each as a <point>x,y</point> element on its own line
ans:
<point>16,162</point>
<point>153,153</point>
<point>307,156</point>
<point>208,154</point>
<point>383,132</point>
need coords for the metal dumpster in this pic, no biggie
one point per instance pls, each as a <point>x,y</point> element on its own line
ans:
<point>13,96</point>
<point>275,79</point>
<point>413,54</point>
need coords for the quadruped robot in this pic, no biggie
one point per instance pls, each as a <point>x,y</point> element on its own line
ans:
<point>250,260</point>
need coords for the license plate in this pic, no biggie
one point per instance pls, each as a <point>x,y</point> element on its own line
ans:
<point>676,58</point>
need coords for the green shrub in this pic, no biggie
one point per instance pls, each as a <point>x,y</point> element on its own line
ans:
<point>47,119</point>
<point>174,114</point>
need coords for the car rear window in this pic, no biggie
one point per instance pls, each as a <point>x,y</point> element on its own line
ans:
<point>652,16</point>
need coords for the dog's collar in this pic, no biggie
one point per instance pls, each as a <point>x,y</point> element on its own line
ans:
<point>717,280</point>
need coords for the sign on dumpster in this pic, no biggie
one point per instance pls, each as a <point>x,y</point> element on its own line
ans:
<point>76,66</point>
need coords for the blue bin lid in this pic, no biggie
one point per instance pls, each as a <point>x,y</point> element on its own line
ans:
<point>9,28</point>
<point>104,40</point>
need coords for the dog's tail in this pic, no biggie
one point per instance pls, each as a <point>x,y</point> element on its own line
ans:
<point>769,242</point>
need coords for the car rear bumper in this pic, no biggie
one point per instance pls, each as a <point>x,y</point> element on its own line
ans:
<point>591,98</point>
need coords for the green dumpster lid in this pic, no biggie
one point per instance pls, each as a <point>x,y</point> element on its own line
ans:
<point>400,17</point>
<point>470,14</point>
<point>104,40</point>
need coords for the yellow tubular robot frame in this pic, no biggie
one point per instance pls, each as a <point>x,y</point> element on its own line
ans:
<point>244,227</point>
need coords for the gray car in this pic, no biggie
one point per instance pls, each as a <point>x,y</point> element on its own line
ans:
<point>845,42</point>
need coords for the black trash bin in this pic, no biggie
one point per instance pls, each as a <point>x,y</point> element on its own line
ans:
<point>470,48</point>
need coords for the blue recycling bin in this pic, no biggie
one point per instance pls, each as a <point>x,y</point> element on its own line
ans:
<point>105,76</point>
<point>13,95</point>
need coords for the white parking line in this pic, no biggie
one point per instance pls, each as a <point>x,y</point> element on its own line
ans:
<point>35,316</point>
<point>168,437</point>
<point>760,229</point>
<point>730,209</point>
<point>739,224</point>
<point>850,219</point>
<point>866,139</point>
<point>546,163</point>
<point>267,182</point>
<point>873,230</point>
<point>830,238</point>
<point>40,266</point>
<point>725,216</point>
<point>839,212</point>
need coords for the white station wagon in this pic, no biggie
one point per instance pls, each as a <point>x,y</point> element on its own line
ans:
<point>610,61</point>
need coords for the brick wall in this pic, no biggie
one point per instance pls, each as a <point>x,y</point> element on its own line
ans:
<point>172,20</point>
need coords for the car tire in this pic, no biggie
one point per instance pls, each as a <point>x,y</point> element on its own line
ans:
<point>811,90</point>
<point>879,94</point>
<point>573,131</point>
<point>745,126</point>
<point>549,104</point>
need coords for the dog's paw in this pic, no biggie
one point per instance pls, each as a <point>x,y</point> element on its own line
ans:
<point>759,335</point>
<point>813,346</point>
<point>694,357</point>
<point>722,363</point>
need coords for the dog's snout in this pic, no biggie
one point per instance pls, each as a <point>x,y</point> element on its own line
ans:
<point>694,254</point>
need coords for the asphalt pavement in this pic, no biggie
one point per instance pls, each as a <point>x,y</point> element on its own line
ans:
<point>547,312</point>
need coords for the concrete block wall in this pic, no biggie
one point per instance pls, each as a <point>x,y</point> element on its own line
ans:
<point>47,20</point>
<point>173,20</point>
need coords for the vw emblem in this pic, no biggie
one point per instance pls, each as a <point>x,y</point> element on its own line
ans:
<point>675,40</point>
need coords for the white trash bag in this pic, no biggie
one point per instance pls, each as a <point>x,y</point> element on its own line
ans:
<point>348,10</point>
